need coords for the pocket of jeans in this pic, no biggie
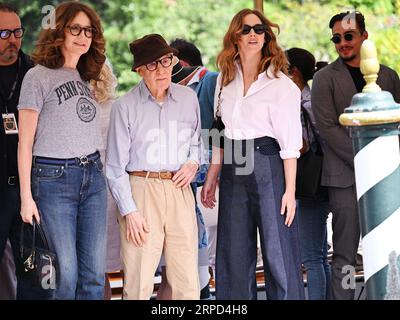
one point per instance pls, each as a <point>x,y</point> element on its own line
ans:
<point>44,172</point>
<point>99,165</point>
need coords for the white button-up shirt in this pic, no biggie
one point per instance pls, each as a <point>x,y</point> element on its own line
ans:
<point>271,107</point>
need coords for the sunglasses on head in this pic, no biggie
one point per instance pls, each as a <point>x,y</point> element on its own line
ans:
<point>258,28</point>
<point>336,39</point>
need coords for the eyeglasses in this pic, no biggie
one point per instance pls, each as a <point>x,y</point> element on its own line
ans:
<point>165,62</point>
<point>258,28</point>
<point>76,30</point>
<point>336,39</point>
<point>6,33</point>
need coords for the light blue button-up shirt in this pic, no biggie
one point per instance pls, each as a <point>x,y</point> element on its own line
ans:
<point>146,135</point>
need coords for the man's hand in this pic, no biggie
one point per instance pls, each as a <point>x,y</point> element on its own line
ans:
<point>185,175</point>
<point>136,228</point>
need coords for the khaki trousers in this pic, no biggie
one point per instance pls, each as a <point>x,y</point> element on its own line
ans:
<point>170,214</point>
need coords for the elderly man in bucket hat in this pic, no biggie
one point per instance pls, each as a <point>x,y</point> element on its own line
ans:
<point>154,151</point>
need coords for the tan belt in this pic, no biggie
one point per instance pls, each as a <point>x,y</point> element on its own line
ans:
<point>155,175</point>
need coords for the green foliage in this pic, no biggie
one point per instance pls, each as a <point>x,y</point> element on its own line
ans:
<point>303,23</point>
<point>203,23</point>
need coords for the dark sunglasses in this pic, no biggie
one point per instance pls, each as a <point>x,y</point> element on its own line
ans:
<point>258,28</point>
<point>336,39</point>
<point>6,33</point>
<point>76,30</point>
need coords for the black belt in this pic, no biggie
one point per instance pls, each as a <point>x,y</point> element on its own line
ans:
<point>265,145</point>
<point>80,161</point>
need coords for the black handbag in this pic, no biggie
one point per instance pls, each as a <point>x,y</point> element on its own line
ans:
<point>39,263</point>
<point>309,165</point>
<point>216,136</point>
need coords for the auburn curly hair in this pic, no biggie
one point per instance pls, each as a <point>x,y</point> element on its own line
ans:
<point>272,54</point>
<point>48,53</point>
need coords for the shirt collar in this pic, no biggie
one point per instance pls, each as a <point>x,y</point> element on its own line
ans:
<point>145,94</point>
<point>196,77</point>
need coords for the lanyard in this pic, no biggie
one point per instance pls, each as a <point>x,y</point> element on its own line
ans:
<point>12,91</point>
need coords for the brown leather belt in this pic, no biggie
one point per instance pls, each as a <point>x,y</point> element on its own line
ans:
<point>155,175</point>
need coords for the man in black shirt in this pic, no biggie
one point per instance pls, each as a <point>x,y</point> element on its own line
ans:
<point>332,91</point>
<point>13,66</point>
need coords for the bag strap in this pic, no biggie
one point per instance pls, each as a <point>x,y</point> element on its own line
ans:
<point>21,239</point>
<point>35,226</point>
<point>41,234</point>
<point>218,113</point>
<point>308,124</point>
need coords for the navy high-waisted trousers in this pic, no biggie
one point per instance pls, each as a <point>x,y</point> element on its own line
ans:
<point>250,198</point>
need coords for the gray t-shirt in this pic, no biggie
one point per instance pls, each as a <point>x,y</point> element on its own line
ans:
<point>68,114</point>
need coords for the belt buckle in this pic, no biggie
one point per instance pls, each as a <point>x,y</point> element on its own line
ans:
<point>12,180</point>
<point>83,161</point>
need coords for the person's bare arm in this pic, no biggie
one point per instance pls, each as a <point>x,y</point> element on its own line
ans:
<point>208,192</point>
<point>289,200</point>
<point>28,120</point>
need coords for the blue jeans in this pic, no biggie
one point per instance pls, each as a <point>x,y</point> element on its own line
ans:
<point>72,200</point>
<point>313,241</point>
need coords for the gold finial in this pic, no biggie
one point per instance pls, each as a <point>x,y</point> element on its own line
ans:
<point>369,66</point>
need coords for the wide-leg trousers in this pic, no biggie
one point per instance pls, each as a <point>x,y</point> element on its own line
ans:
<point>250,199</point>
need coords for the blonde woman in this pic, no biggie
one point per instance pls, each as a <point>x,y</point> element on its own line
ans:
<point>104,93</point>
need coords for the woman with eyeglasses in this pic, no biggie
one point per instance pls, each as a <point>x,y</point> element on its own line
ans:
<point>62,184</point>
<point>260,108</point>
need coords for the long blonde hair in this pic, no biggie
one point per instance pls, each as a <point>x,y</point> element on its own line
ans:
<point>272,54</point>
<point>104,88</point>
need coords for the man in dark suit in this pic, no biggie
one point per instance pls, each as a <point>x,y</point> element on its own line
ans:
<point>13,66</point>
<point>332,91</point>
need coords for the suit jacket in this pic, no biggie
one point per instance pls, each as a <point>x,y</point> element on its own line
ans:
<point>332,91</point>
<point>26,64</point>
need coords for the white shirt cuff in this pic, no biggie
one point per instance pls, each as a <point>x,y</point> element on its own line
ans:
<point>289,154</point>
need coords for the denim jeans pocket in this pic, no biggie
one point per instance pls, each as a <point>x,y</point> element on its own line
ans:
<point>47,172</point>
<point>98,165</point>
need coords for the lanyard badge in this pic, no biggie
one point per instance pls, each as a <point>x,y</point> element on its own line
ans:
<point>9,120</point>
<point>10,123</point>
